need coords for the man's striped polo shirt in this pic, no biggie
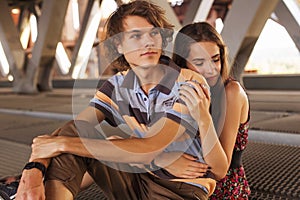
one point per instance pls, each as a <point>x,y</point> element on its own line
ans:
<point>122,101</point>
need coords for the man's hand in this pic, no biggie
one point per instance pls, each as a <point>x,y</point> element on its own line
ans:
<point>31,186</point>
<point>46,146</point>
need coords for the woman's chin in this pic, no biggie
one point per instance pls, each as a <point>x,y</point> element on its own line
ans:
<point>211,82</point>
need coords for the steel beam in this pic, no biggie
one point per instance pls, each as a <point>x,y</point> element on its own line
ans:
<point>87,38</point>
<point>242,27</point>
<point>83,27</point>
<point>39,68</point>
<point>288,20</point>
<point>172,18</point>
<point>10,39</point>
<point>198,10</point>
<point>192,10</point>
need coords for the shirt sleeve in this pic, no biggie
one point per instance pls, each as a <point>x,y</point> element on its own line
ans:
<point>180,114</point>
<point>103,100</point>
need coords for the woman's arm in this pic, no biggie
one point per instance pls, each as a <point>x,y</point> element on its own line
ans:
<point>198,101</point>
<point>237,104</point>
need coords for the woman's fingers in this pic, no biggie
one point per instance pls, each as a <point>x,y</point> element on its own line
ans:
<point>193,89</point>
<point>187,166</point>
<point>194,169</point>
<point>193,172</point>
<point>206,90</point>
<point>189,157</point>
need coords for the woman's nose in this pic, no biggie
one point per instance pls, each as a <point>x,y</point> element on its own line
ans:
<point>210,68</point>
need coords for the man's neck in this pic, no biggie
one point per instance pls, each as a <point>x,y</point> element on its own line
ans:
<point>149,77</point>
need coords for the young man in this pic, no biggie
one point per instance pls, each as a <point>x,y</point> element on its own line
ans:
<point>145,97</point>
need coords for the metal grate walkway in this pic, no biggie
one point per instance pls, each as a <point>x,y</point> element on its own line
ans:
<point>273,171</point>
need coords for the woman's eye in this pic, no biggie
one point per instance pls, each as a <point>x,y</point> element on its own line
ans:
<point>216,60</point>
<point>198,64</point>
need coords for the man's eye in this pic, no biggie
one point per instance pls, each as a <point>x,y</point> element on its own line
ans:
<point>154,32</point>
<point>136,36</point>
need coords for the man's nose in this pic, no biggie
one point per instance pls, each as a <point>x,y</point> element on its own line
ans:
<point>148,40</point>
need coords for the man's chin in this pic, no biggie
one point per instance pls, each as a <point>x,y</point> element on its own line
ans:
<point>145,65</point>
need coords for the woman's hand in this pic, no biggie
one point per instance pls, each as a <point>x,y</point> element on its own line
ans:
<point>181,166</point>
<point>197,98</point>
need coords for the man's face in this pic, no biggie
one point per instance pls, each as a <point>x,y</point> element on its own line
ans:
<point>141,42</point>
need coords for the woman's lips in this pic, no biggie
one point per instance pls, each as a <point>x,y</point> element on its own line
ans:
<point>150,53</point>
<point>211,79</point>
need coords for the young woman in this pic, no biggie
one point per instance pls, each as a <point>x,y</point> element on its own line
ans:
<point>199,47</point>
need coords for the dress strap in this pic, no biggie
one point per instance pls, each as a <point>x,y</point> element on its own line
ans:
<point>236,160</point>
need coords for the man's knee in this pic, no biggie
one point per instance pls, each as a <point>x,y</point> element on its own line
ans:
<point>76,128</point>
<point>68,170</point>
<point>68,129</point>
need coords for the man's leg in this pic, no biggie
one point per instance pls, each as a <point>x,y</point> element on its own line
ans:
<point>87,181</point>
<point>64,176</point>
<point>55,190</point>
<point>65,172</point>
<point>155,188</point>
<point>9,185</point>
<point>116,180</point>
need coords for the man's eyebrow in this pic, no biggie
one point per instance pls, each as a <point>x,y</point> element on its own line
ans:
<point>133,31</point>
<point>140,30</point>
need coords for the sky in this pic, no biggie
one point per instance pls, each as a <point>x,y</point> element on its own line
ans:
<point>275,51</point>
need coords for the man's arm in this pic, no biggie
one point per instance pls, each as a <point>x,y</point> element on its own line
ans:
<point>31,184</point>
<point>130,150</point>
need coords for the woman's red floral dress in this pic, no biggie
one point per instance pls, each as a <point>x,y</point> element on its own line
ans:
<point>235,185</point>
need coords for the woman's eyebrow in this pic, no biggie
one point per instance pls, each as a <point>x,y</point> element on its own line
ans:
<point>215,55</point>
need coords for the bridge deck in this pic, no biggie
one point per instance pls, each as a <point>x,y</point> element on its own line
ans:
<point>271,163</point>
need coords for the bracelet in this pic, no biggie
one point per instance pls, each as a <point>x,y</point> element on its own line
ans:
<point>36,165</point>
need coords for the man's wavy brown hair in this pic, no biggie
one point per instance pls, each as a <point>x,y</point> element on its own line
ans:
<point>154,14</point>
